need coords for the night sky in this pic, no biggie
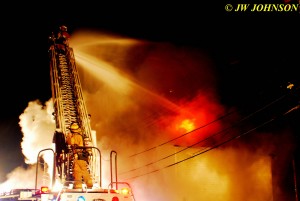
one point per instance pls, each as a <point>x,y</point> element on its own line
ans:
<point>256,55</point>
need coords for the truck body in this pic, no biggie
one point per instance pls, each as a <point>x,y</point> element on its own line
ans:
<point>69,107</point>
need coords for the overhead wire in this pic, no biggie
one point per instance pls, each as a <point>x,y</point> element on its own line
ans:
<point>211,148</point>
<point>218,145</point>
<point>164,143</point>
<point>216,120</point>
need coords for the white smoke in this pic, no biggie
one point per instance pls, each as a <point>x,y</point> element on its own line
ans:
<point>37,125</point>
<point>125,83</point>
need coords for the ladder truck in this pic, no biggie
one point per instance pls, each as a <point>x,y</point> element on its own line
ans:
<point>69,107</point>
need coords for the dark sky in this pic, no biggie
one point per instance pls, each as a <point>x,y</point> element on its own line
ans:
<point>256,54</point>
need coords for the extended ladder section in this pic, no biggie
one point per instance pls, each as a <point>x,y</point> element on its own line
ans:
<point>69,107</point>
<point>68,102</point>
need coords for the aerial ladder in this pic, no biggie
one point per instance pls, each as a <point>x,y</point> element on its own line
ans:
<point>67,95</point>
<point>69,108</point>
<point>68,101</point>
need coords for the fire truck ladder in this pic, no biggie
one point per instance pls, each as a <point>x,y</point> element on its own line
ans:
<point>69,105</point>
<point>68,102</point>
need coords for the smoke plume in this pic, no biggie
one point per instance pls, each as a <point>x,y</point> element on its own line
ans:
<point>150,102</point>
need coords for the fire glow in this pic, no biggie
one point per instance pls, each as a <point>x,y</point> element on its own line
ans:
<point>187,125</point>
<point>132,111</point>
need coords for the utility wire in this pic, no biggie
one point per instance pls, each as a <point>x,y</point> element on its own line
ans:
<point>218,119</point>
<point>220,144</point>
<point>226,130</point>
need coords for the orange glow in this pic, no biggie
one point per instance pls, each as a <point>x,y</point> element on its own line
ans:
<point>194,121</point>
<point>131,116</point>
<point>44,189</point>
<point>187,124</point>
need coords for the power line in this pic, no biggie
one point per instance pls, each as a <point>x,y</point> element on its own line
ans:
<point>220,144</point>
<point>218,119</point>
<point>226,130</point>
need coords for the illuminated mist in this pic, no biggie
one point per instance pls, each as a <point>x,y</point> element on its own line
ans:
<point>142,96</point>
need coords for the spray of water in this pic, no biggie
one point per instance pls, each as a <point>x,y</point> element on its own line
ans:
<point>138,94</point>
